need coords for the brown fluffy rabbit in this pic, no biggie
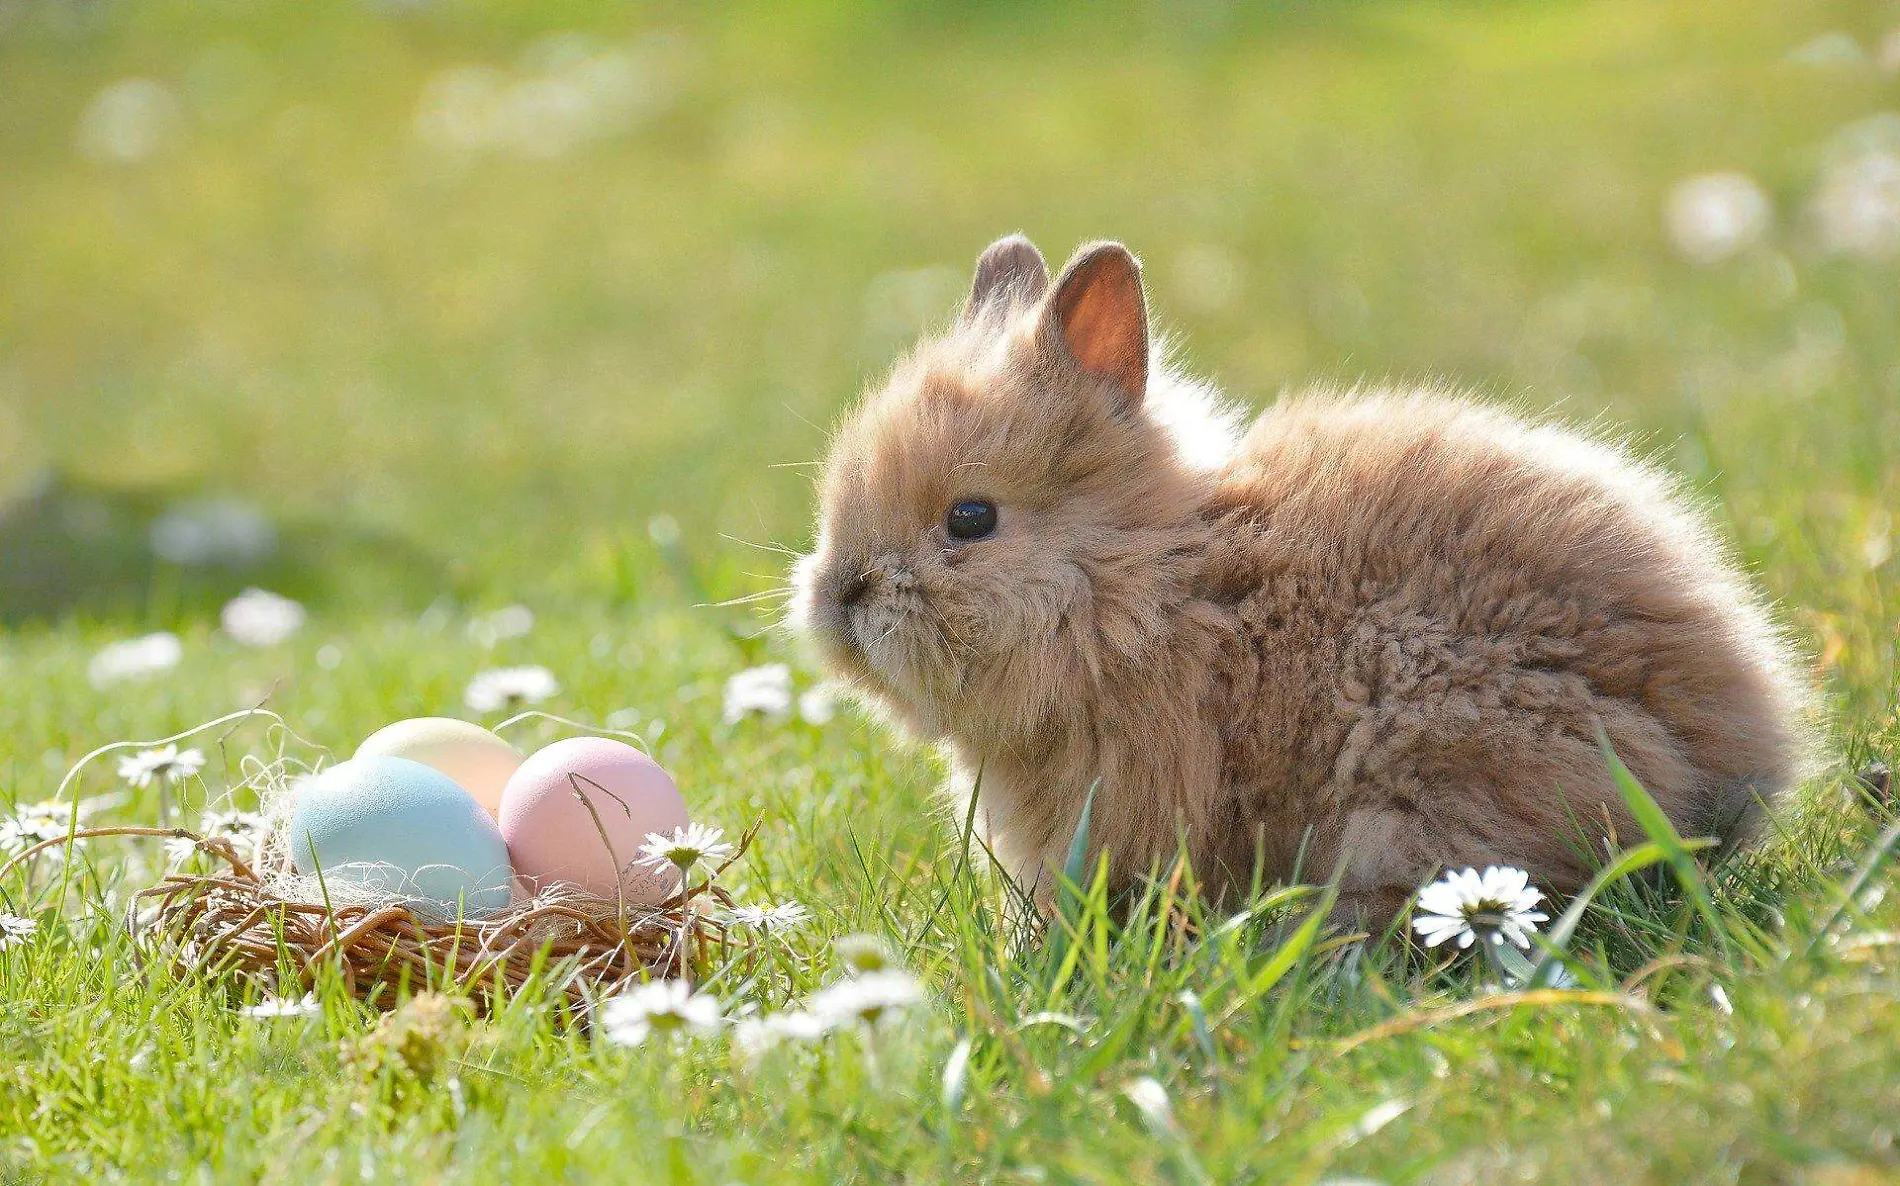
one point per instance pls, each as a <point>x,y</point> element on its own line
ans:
<point>1380,627</point>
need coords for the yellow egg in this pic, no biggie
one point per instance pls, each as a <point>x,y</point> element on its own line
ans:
<point>478,761</point>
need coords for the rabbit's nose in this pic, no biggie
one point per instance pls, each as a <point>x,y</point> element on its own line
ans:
<point>852,588</point>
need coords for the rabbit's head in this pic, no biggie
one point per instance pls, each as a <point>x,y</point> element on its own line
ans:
<point>1007,525</point>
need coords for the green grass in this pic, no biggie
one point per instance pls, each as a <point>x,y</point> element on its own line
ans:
<point>461,381</point>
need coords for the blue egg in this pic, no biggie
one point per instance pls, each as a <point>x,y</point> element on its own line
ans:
<point>404,829</point>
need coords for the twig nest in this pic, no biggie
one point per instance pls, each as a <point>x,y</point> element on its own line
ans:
<point>261,923</point>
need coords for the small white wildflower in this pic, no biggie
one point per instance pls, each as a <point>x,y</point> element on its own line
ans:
<point>273,1007</point>
<point>511,621</point>
<point>169,765</point>
<point>36,823</point>
<point>1714,216</point>
<point>233,825</point>
<point>818,705</point>
<point>764,691</point>
<point>510,688</point>
<point>260,618</point>
<point>798,1025</point>
<point>1495,905</point>
<point>786,916</point>
<point>15,930</point>
<point>1856,207</point>
<point>178,850</point>
<point>753,1036</point>
<point>135,658</point>
<point>873,998</point>
<point>864,953</point>
<point>687,848</point>
<point>663,1007</point>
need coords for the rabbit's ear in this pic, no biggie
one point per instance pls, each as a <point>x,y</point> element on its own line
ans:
<point>1010,269</point>
<point>1099,318</point>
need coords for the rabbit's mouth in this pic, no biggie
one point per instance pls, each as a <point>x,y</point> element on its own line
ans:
<point>824,609</point>
<point>865,619</point>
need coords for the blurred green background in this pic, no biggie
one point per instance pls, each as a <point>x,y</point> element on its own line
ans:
<point>456,298</point>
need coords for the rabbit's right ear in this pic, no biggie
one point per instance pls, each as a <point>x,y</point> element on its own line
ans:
<point>1010,269</point>
<point>1098,320</point>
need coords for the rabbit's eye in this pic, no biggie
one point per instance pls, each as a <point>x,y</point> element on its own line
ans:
<point>971,519</point>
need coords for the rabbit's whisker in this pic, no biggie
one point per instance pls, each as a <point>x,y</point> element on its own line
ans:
<point>767,546</point>
<point>747,599</point>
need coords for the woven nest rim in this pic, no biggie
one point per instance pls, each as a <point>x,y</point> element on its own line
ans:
<point>586,947</point>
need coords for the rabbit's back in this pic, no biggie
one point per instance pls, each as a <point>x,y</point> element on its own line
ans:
<point>1438,602</point>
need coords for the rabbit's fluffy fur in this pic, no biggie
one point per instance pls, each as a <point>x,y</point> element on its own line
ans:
<point>1381,628</point>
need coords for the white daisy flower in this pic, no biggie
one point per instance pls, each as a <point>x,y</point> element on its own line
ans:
<point>233,825</point>
<point>818,705</point>
<point>864,953</point>
<point>1496,905</point>
<point>1857,204</point>
<point>15,930</point>
<point>511,621</point>
<point>753,1036</point>
<point>135,658</point>
<point>1716,215</point>
<point>786,916</point>
<point>688,847</point>
<point>260,618</point>
<point>763,691</point>
<point>510,688</point>
<point>178,850</point>
<point>272,1007</point>
<point>35,823</point>
<point>664,1007</point>
<point>873,998</point>
<point>169,765</point>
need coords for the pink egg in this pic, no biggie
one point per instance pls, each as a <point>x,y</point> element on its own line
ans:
<point>553,837</point>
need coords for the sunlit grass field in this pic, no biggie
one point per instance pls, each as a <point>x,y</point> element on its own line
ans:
<point>455,307</point>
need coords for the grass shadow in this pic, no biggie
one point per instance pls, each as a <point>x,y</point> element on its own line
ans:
<point>70,546</point>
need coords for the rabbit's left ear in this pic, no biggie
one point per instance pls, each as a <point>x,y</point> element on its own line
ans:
<point>1010,269</point>
<point>1098,317</point>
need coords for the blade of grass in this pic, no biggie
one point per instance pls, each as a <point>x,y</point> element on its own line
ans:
<point>1555,943</point>
<point>1069,889</point>
<point>1285,957</point>
<point>956,874</point>
<point>1655,823</point>
<point>1850,893</point>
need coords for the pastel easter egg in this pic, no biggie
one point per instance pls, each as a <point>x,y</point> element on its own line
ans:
<point>405,830</point>
<point>577,812</point>
<point>479,762</point>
